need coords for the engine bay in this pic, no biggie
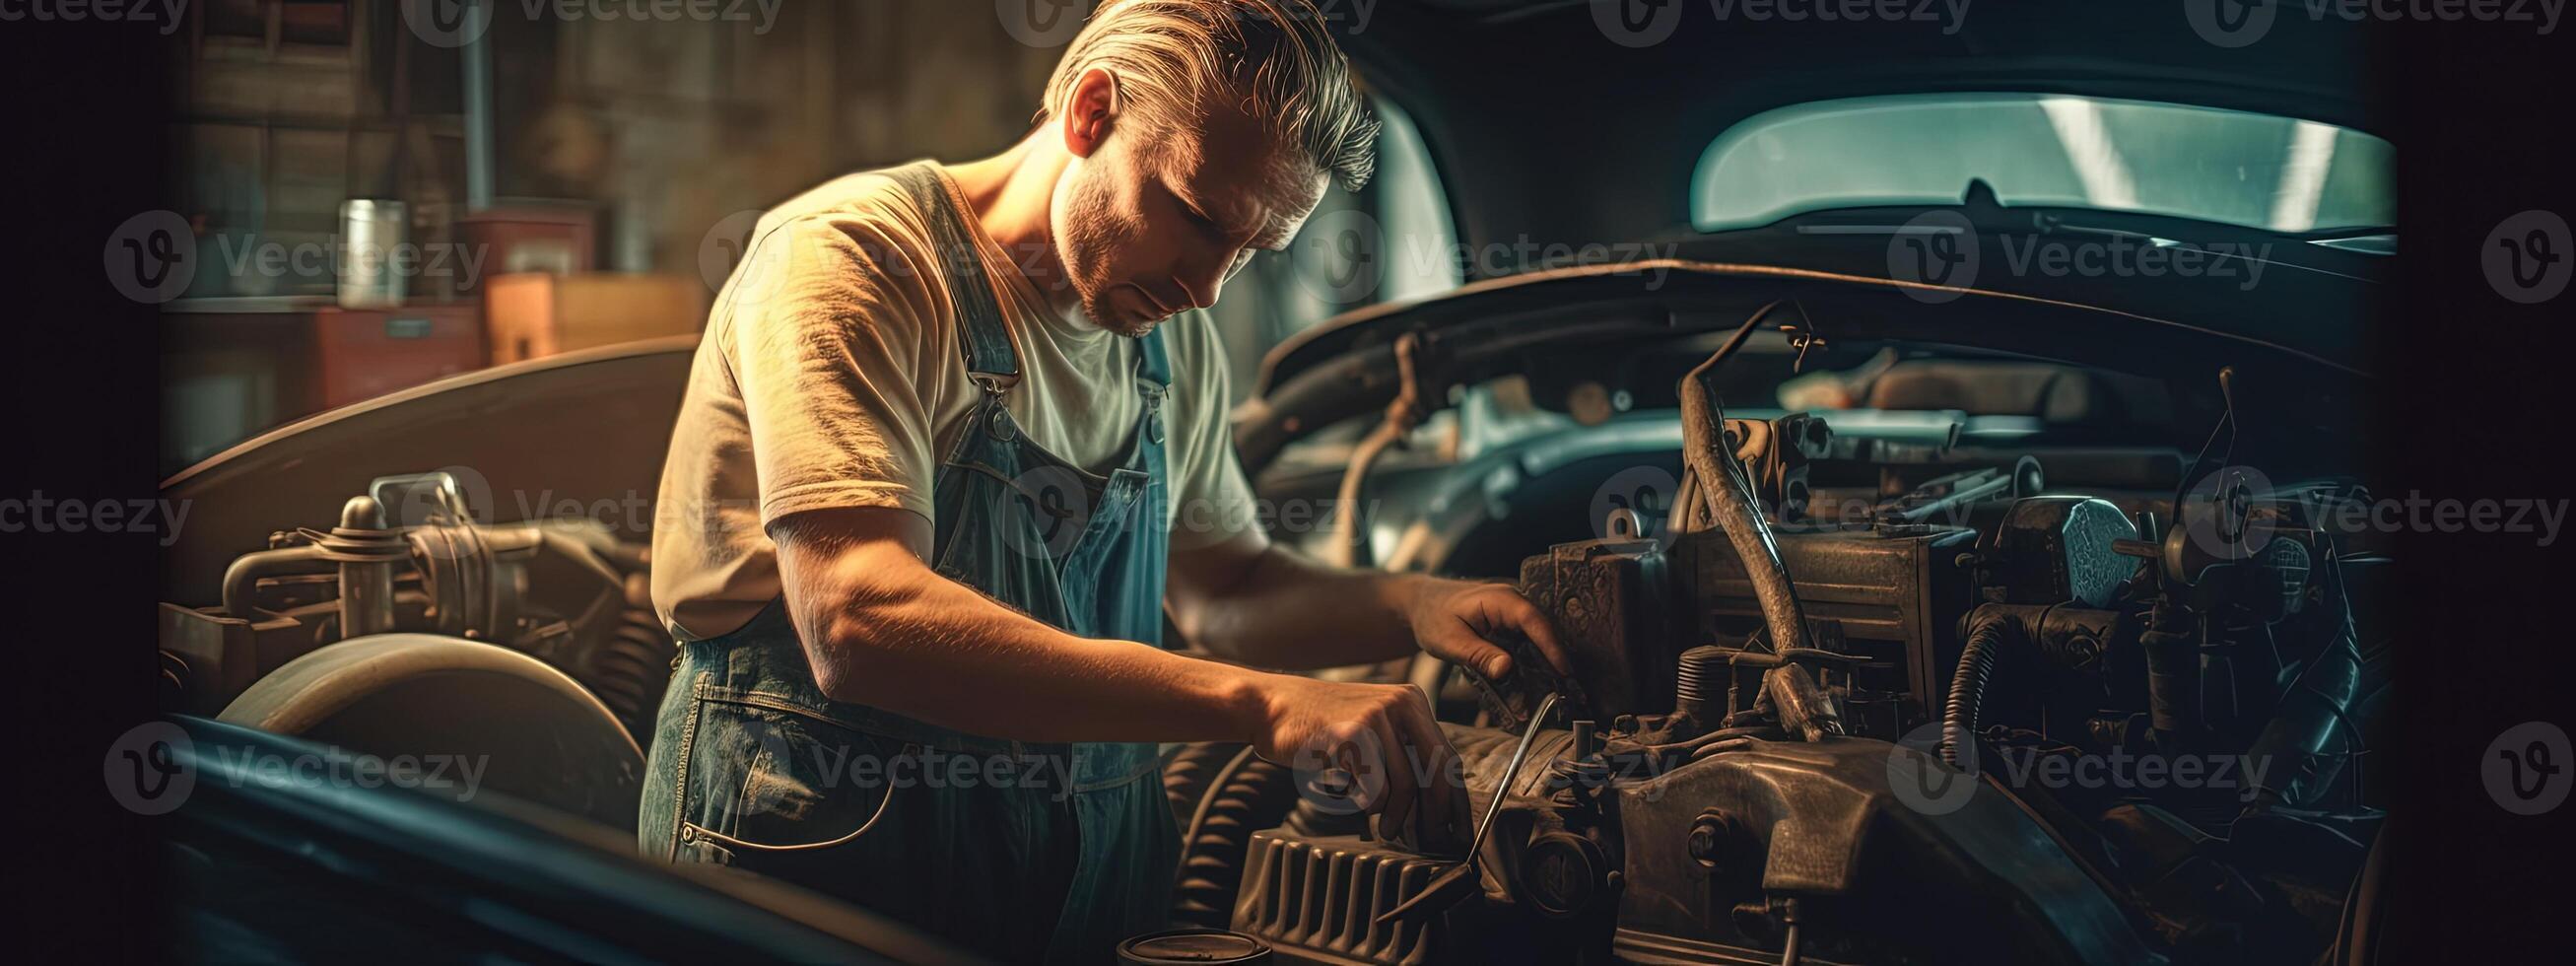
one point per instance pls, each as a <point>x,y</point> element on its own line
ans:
<point>1957,716</point>
<point>1868,694</point>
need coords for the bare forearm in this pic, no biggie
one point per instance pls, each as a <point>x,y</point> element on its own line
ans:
<point>1287,611</point>
<point>897,636</point>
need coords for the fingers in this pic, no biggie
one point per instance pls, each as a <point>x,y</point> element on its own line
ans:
<point>1533,624</point>
<point>1432,758</point>
<point>1466,647</point>
<point>1402,791</point>
<point>1505,608</point>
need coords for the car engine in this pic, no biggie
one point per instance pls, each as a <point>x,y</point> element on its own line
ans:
<point>1978,723</point>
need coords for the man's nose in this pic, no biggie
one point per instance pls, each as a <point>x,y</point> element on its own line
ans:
<point>1201,286</point>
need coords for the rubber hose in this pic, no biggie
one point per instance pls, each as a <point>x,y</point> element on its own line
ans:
<point>1986,643</point>
<point>1730,507</point>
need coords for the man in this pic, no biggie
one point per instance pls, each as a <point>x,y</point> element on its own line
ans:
<point>919,538</point>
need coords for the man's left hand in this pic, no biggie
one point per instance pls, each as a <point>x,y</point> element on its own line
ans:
<point>1463,621</point>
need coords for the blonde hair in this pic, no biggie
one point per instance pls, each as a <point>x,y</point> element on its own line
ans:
<point>1273,55</point>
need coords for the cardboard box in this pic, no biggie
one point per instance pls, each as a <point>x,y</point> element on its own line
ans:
<point>532,315</point>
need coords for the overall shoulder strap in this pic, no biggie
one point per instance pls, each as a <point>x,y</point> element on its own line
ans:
<point>982,337</point>
<point>1153,365</point>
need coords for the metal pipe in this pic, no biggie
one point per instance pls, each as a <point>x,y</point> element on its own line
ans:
<point>241,580</point>
<point>1403,413</point>
<point>477,59</point>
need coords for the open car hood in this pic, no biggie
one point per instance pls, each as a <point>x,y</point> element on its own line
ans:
<point>1347,367</point>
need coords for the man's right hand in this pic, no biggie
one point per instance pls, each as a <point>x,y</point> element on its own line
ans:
<point>1379,738</point>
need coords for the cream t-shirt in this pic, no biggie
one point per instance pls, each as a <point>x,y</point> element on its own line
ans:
<point>830,376</point>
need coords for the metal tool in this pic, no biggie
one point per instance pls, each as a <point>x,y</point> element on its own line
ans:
<point>1445,889</point>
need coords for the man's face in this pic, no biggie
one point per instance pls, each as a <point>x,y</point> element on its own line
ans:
<point>1145,231</point>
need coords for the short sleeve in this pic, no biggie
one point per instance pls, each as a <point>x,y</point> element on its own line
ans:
<point>825,337</point>
<point>1212,501</point>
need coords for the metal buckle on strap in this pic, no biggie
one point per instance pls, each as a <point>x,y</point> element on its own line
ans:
<point>995,383</point>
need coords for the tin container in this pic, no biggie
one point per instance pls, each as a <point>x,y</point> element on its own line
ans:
<point>371,236</point>
<point>1197,947</point>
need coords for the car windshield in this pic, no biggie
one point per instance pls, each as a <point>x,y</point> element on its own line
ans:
<point>2232,167</point>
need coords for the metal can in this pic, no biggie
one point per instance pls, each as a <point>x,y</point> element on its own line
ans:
<point>1201,947</point>
<point>371,236</point>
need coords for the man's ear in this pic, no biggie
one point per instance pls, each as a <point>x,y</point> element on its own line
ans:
<point>1090,112</point>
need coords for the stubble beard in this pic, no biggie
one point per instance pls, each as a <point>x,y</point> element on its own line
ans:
<point>1090,231</point>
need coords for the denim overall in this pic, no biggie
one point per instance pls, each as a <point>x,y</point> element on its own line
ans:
<point>1021,851</point>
